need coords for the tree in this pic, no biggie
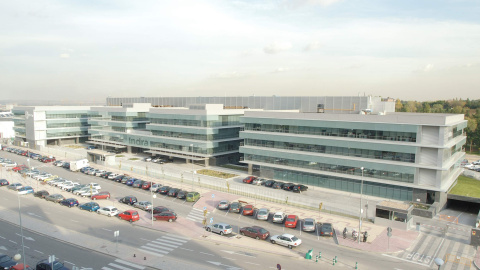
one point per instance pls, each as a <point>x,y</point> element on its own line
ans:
<point>398,105</point>
<point>411,106</point>
<point>427,108</point>
<point>472,135</point>
<point>437,108</point>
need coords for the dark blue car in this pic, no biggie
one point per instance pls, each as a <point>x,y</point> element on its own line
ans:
<point>130,181</point>
<point>90,206</point>
<point>69,202</point>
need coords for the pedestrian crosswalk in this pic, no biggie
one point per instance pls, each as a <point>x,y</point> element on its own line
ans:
<point>163,245</point>
<point>430,244</point>
<point>195,215</point>
<point>123,265</point>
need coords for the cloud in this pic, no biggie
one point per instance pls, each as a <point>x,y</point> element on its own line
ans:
<point>312,46</point>
<point>428,68</point>
<point>277,47</point>
<point>64,55</point>
<point>281,69</point>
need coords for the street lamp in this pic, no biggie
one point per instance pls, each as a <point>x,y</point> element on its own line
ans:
<point>360,214</point>
<point>21,231</point>
<point>193,179</point>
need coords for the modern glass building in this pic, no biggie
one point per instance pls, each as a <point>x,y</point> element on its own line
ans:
<point>402,156</point>
<point>50,125</point>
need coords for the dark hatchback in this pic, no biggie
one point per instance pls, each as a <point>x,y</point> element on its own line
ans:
<point>4,182</point>
<point>182,194</point>
<point>326,229</point>
<point>299,188</point>
<point>255,232</point>
<point>269,183</point>
<point>128,200</point>
<point>173,192</point>
<point>160,209</point>
<point>164,190</point>
<point>6,261</point>
<point>278,185</point>
<point>138,184</point>
<point>46,265</point>
<point>41,194</point>
<point>235,207</point>
<point>69,202</point>
<point>288,186</point>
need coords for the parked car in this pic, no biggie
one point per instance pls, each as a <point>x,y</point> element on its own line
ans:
<point>6,261</point>
<point>75,188</point>
<point>308,225</point>
<point>164,190</point>
<point>259,181</point>
<point>278,185</point>
<point>182,194</point>
<point>89,206</point>
<point>278,217</point>
<point>235,207</point>
<point>299,188</point>
<point>255,232</point>
<point>47,265</point>
<point>223,205</point>
<point>173,192</point>
<point>128,200</point>
<point>95,186</point>
<point>108,211</point>
<point>69,202</point>
<point>55,198</point>
<point>113,176</point>
<point>288,186</point>
<point>88,192</point>
<point>41,194</point>
<point>248,210</point>
<point>146,185</point>
<point>291,221</point>
<point>4,182</point>
<point>168,216</point>
<point>220,228</point>
<point>101,195</point>
<point>130,215</point>
<point>155,187</point>
<point>159,209</point>
<point>193,196</point>
<point>20,266</point>
<point>25,190</point>
<point>269,183</point>
<point>144,205</point>
<point>138,183</point>
<point>262,214</point>
<point>286,239</point>
<point>130,181</point>
<point>249,179</point>
<point>326,229</point>
<point>15,186</point>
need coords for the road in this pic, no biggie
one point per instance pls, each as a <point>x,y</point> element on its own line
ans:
<point>192,248</point>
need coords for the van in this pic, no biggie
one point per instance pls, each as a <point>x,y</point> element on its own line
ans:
<point>193,196</point>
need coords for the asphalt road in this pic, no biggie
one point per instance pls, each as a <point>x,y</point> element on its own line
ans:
<point>203,254</point>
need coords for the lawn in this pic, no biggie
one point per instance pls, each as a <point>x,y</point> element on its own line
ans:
<point>216,173</point>
<point>466,186</point>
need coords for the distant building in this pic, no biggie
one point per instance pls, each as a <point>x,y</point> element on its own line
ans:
<point>6,126</point>
<point>50,125</point>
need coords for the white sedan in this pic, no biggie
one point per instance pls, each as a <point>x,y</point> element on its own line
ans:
<point>288,240</point>
<point>108,211</point>
<point>95,186</point>
<point>69,186</point>
<point>89,193</point>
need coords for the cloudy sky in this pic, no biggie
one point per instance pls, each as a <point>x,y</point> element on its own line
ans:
<point>88,50</point>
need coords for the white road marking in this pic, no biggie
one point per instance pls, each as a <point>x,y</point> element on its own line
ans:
<point>73,220</point>
<point>131,264</point>
<point>70,263</point>
<point>13,242</point>
<point>252,263</point>
<point>158,246</point>
<point>150,252</point>
<point>2,237</point>
<point>106,229</point>
<point>39,251</point>
<point>186,249</point>
<point>154,249</point>
<point>174,239</point>
<point>207,254</point>
<point>404,260</point>
<point>119,266</point>
<point>106,268</point>
<point>229,258</point>
<point>145,239</point>
<point>168,245</point>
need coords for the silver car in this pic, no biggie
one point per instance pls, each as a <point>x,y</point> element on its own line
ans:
<point>262,214</point>
<point>308,225</point>
<point>145,205</point>
<point>223,205</point>
<point>278,217</point>
<point>221,228</point>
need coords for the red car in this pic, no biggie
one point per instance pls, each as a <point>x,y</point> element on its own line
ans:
<point>248,210</point>
<point>147,185</point>
<point>101,195</point>
<point>19,168</point>
<point>168,216</point>
<point>130,215</point>
<point>255,232</point>
<point>291,221</point>
<point>45,160</point>
<point>249,179</point>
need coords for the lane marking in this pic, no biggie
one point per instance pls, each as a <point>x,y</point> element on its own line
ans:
<point>74,220</point>
<point>186,249</point>
<point>175,239</point>
<point>252,263</point>
<point>158,246</point>
<point>106,229</point>
<point>13,242</point>
<point>404,260</point>
<point>229,258</point>
<point>3,237</point>
<point>207,253</point>
<point>119,266</point>
<point>149,252</point>
<point>130,264</point>
<point>39,252</point>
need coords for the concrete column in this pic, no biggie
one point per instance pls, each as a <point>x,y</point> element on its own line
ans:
<point>76,140</point>
<point>57,142</point>
<point>129,149</point>
<point>207,162</point>
<point>250,168</point>
<point>188,160</point>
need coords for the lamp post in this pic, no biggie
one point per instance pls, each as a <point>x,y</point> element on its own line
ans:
<point>21,231</point>
<point>151,192</point>
<point>193,179</point>
<point>360,214</point>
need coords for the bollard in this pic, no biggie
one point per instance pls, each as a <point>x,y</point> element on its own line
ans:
<point>333,261</point>
<point>145,258</point>
<point>134,255</point>
<point>320,254</point>
<point>316,258</point>
<point>356,265</point>
<point>336,259</point>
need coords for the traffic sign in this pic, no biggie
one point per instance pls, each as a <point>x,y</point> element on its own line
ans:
<point>213,195</point>
<point>116,233</point>
<point>204,208</point>
<point>205,212</point>
<point>211,220</point>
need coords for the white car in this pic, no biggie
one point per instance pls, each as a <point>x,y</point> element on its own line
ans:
<point>95,186</point>
<point>41,175</point>
<point>89,192</point>
<point>145,205</point>
<point>278,217</point>
<point>82,190</point>
<point>64,183</point>
<point>155,187</point>
<point>11,164</point>
<point>108,211</point>
<point>288,240</point>
<point>69,186</point>
<point>112,175</point>
<point>99,172</point>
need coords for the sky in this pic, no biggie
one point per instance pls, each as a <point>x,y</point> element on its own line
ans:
<point>84,50</point>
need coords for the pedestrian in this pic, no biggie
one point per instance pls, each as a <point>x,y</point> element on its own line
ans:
<point>365,235</point>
